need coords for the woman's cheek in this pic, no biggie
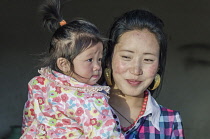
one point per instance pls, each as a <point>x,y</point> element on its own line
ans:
<point>153,69</point>
<point>119,66</point>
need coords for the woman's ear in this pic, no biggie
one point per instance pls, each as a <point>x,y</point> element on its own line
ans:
<point>64,65</point>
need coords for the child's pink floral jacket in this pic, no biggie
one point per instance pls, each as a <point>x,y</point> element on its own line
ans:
<point>59,107</point>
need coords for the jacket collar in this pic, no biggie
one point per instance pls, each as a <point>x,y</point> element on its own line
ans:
<point>60,78</point>
<point>70,83</point>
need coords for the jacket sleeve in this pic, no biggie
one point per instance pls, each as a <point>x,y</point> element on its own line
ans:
<point>97,119</point>
<point>28,111</point>
<point>89,116</point>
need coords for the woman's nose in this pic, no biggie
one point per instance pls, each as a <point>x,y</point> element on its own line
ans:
<point>136,70</point>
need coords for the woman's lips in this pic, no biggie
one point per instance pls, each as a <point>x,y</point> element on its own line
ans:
<point>133,82</point>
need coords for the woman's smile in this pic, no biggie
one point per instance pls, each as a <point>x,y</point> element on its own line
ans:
<point>133,82</point>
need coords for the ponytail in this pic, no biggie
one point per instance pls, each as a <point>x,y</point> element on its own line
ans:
<point>51,12</point>
<point>68,40</point>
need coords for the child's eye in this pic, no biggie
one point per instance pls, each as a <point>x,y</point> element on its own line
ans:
<point>90,60</point>
<point>99,59</point>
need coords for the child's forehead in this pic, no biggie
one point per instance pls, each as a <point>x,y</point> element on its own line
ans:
<point>93,50</point>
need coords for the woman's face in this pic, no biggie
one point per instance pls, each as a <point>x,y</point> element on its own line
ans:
<point>135,61</point>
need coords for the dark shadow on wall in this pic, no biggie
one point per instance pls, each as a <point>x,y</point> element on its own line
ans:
<point>15,132</point>
<point>196,55</point>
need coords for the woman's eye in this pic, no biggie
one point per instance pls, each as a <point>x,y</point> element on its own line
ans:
<point>90,60</point>
<point>125,57</point>
<point>99,59</point>
<point>148,60</point>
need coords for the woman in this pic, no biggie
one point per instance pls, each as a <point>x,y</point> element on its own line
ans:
<point>135,64</point>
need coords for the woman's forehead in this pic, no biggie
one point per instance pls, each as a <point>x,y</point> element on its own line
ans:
<point>140,40</point>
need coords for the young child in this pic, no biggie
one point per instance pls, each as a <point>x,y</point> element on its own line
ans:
<point>64,101</point>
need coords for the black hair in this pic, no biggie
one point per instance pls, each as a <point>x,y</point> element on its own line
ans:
<point>68,40</point>
<point>138,20</point>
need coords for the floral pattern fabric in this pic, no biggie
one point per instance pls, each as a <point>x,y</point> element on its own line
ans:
<point>59,107</point>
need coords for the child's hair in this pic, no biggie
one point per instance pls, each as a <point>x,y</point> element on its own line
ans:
<point>68,40</point>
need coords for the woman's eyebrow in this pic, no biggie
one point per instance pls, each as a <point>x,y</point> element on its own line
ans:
<point>124,50</point>
<point>150,54</point>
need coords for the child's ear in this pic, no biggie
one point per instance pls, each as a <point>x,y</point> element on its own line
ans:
<point>64,65</point>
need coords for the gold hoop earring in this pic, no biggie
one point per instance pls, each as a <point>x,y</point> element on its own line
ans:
<point>156,82</point>
<point>107,74</point>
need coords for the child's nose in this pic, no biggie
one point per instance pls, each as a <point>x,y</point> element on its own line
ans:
<point>97,66</point>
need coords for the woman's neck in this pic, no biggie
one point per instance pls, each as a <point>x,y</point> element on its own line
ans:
<point>126,107</point>
<point>118,98</point>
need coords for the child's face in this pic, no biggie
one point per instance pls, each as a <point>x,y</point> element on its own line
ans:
<point>88,65</point>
